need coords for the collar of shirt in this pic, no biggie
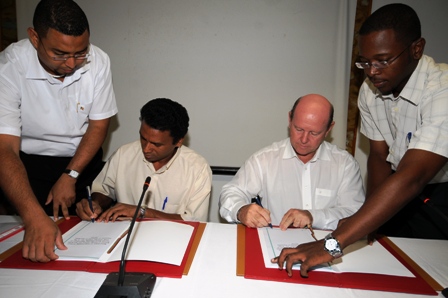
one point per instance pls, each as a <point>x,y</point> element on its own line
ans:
<point>412,91</point>
<point>166,166</point>
<point>35,71</point>
<point>320,153</point>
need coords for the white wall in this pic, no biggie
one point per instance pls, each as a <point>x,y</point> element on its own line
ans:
<point>236,65</point>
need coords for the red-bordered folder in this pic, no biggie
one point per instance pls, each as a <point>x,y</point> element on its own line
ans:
<point>11,232</point>
<point>254,269</point>
<point>159,269</point>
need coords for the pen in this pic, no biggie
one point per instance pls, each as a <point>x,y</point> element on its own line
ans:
<point>89,198</point>
<point>311,230</point>
<point>258,202</point>
<point>116,241</point>
<point>308,226</point>
<point>408,138</point>
<point>164,203</point>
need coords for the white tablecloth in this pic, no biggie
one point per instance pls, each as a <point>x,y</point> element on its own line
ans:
<point>212,275</point>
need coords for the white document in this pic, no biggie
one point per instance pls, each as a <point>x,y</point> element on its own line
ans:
<point>358,257</point>
<point>157,241</point>
<point>10,225</point>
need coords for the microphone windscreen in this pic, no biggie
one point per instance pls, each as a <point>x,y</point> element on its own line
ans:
<point>147,181</point>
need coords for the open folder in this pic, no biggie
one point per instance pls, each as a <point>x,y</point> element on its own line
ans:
<point>149,248</point>
<point>251,264</point>
<point>156,241</point>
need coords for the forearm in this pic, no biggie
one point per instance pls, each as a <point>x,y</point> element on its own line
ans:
<point>14,180</point>
<point>230,202</point>
<point>90,143</point>
<point>415,170</point>
<point>375,211</point>
<point>152,213</point>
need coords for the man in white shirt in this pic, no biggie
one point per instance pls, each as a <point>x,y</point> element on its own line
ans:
<point>180,178</point>
<point>301,180</point>
<point>56,101</point>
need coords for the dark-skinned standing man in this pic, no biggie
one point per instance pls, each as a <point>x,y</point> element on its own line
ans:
<point>404,110</point>
<point>56,101</point>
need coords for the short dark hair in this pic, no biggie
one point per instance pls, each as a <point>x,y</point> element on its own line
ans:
<point>166,115</point>
<point>330,117</point>
<point>64,16</point>
<point>399,17</point>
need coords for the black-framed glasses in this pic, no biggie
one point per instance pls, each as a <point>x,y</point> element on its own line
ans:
<point>380,64</point>
<point>65,57</point>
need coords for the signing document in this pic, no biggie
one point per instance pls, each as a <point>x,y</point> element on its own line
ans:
<point>358,257</point>
<point>156,241</point>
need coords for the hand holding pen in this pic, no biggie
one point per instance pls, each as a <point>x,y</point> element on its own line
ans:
<point>257,200</point>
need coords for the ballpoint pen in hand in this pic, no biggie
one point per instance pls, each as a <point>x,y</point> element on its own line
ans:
<point>89,198</point>
<point>258,202</point>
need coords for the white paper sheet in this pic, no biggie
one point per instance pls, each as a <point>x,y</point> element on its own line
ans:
<point>358,257</point>
<point>158,241</point>
<point>8,225</point>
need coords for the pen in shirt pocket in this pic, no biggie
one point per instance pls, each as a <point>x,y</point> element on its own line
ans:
<point>164,203</point>
<point>408,138</point>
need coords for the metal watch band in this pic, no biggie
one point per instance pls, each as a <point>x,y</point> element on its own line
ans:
<point>335,251</point>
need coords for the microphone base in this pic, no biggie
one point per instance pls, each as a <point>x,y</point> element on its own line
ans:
<point>135,285</point>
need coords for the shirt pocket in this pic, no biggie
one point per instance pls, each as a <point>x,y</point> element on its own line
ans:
<point>171,208</point>
<point>323,198</point>
<point>83,111</point>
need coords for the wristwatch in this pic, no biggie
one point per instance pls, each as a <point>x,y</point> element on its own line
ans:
<point>142,211</point>
<point>331,245</point>
<point>72,173</point>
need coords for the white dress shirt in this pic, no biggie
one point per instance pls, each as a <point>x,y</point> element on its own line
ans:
<point>52,116</point>
<point>329,185</point>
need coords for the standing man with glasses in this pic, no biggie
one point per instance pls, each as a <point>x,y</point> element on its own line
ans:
<point>404,111</point>
<point>56,101</point>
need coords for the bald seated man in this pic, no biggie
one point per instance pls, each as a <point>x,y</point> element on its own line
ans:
<point>302,181</point>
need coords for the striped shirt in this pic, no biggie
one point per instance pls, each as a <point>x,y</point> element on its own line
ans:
<point>416,119</point>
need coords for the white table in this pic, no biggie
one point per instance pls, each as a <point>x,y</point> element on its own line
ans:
<point>212,275</point>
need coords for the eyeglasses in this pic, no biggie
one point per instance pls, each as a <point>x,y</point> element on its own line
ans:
<point>66,57</point>
<point>379,64</point>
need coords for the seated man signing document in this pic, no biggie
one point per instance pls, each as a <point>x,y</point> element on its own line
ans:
<point>180,178</point>
<point>302,181</point>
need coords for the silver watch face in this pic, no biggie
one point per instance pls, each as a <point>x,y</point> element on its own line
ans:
<point>73,174</point>
<point>331,244</point>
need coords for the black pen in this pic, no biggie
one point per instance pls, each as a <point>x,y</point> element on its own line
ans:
<point>257,201</point>
<point>89,198</point>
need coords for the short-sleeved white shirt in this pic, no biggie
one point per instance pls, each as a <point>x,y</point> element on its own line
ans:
<point>52,116</point>
<point>416,119</point>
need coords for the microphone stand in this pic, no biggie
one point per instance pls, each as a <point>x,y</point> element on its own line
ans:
<point>130,284</point>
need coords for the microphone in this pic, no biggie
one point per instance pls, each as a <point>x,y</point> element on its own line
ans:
<point>130,284</point>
